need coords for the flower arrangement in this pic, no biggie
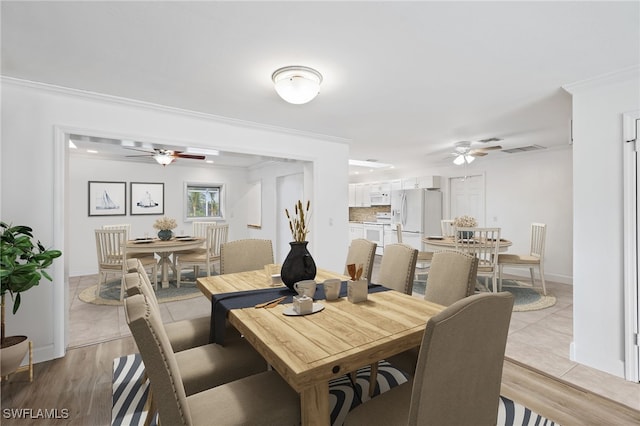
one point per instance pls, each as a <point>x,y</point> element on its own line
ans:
<point>165,224</point>
<point>465,222</point>
<point>299,223</point>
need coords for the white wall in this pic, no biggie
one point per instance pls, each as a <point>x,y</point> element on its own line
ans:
<point>34,187</point>
<point>521,189</point>
<point>598,320</point>
<point>81,242</point>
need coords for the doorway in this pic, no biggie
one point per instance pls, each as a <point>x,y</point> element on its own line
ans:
<point>289,189</point>
<point>466,197</point>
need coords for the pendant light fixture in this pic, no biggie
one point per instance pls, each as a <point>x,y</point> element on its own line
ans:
<point>297,84</point>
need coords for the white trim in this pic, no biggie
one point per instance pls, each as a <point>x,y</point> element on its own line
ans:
<point>167,109</point>
<point>630,210</point>
<point>604,79</point>
<point>60,305</point>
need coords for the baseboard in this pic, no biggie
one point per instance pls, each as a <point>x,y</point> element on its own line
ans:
<point>523,273</point>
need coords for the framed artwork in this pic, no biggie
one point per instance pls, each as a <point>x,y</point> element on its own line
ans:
<point>147,198</point>
<point>107,198</point>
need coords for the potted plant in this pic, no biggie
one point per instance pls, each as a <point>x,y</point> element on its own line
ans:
<point>22,266</point>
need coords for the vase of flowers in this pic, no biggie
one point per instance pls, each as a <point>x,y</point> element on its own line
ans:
<point>465,222</point>
<point>298,265</point>
<point>164,225</point>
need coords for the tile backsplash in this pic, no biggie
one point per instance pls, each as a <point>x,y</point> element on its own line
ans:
<point>366,214</point>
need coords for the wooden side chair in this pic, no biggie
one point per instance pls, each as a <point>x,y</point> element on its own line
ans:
<point>534,259</point>
<point>459,371</point>
<point>447,228</point>
<point>216,235</point>
<point>483,243</point>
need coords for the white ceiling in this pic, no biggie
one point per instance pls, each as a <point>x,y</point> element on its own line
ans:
<point>402,80</point>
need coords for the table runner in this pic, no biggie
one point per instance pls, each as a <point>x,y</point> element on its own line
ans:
<point>222,303</point>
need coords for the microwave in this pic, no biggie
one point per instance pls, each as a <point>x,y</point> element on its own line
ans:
<point>380,198</point>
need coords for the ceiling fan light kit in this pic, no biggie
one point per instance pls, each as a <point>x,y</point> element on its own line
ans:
<point>464,154</point>
<point>297,84</point>
<point>163,159</point>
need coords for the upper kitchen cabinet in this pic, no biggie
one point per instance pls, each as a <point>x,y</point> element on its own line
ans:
<point>428,182</point>
<point>359,195</point>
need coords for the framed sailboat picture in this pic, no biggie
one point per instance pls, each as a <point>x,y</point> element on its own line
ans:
<point>107,198</point>
<point>147,198</point>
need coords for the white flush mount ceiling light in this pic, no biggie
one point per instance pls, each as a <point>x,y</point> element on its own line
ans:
<point>297,84</point>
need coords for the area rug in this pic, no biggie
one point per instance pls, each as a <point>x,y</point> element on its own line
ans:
<point>110,292</point>
<point>527,298</point>
<point>130,395</point>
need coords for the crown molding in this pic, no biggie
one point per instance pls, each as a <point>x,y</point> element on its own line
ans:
<point>623,74</point>
<point>117,100</point>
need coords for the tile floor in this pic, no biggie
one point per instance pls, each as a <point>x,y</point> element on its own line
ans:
<point>540,339</point>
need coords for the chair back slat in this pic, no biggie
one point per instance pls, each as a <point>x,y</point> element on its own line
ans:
<point>481,242</point>
<point>111,246</point>
<point>216,236</point>
<point>538,236</point>
<point>447,227</point>
<point>200,228</point>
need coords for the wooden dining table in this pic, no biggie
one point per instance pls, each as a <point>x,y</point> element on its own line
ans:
<point>164,249</point>
<point>449,243</point>
<point>308,351</point>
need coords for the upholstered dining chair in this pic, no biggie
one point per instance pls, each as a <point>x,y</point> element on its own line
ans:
<point>216,235</point>
<point>535,258</point>
<point>447,228</point>
<point>398,267</point>
<point>452,277</point>
<point>361,251</point>
<point>459,371</point>
<point>263,398</point>
<point>483,243</point>
<point>245,255</point>
<point>183,334</point>
<point>423,262</point>
<point>111,250</point>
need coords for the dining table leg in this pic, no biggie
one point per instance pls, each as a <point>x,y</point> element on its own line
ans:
<point>164,263</point>
<point>314,404</point>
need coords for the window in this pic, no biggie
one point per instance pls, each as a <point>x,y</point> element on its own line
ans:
<point>204,200</point>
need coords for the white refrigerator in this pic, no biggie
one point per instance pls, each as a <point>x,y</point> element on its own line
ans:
<point>419,211</point>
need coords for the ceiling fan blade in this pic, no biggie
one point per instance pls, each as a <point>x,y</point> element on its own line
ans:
<point>488,148</point>
<point>192,156</point>
<point>476,153</point>
<point>141,155</point>
<point>140,150</point>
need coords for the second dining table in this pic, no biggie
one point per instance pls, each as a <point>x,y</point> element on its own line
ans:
<point>448,243</point>
<point>164,249</point>
<point>310,350</point>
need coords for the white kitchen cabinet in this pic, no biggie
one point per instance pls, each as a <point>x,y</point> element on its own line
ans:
<point>413,239</point>
<point>356,230</point>
<point>428,182</point>
<point>352,195</point>
<point>409,183</point>
<point>363,198</point>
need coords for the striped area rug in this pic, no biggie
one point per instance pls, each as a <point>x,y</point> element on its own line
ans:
<point>130,395</point>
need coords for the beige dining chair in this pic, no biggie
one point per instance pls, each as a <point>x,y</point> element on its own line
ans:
<point>183,334</point>
<point>459,370</point>
<point>216,235</point>
<point>245,255</point>
<point>111,250</point>
<point>447,228</point>
<point>397,267</point>
<point>263,398</point>
<point>535,258</point>
<point>361,252</point>
<point>423,262</point>
<point>452,277</point>
<point>483,243</point>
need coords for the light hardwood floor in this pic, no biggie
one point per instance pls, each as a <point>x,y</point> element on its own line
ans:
<point>551,384</point>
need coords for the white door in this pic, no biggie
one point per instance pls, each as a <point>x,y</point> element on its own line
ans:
<point>289,189</point>
<point>466,197</point>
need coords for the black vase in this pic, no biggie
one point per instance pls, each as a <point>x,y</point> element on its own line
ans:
<point>298,265</point>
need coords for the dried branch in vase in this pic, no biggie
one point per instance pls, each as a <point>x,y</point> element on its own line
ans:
<point>299,222</point>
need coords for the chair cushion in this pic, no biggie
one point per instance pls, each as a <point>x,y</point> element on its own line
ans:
<point>211,365</point>
<point>261,399</point>
<point>390,408</point>
<point>518,259</point>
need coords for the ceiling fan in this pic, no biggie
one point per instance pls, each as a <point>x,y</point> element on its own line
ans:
<point>166,156</point>
<point>465,154</point>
